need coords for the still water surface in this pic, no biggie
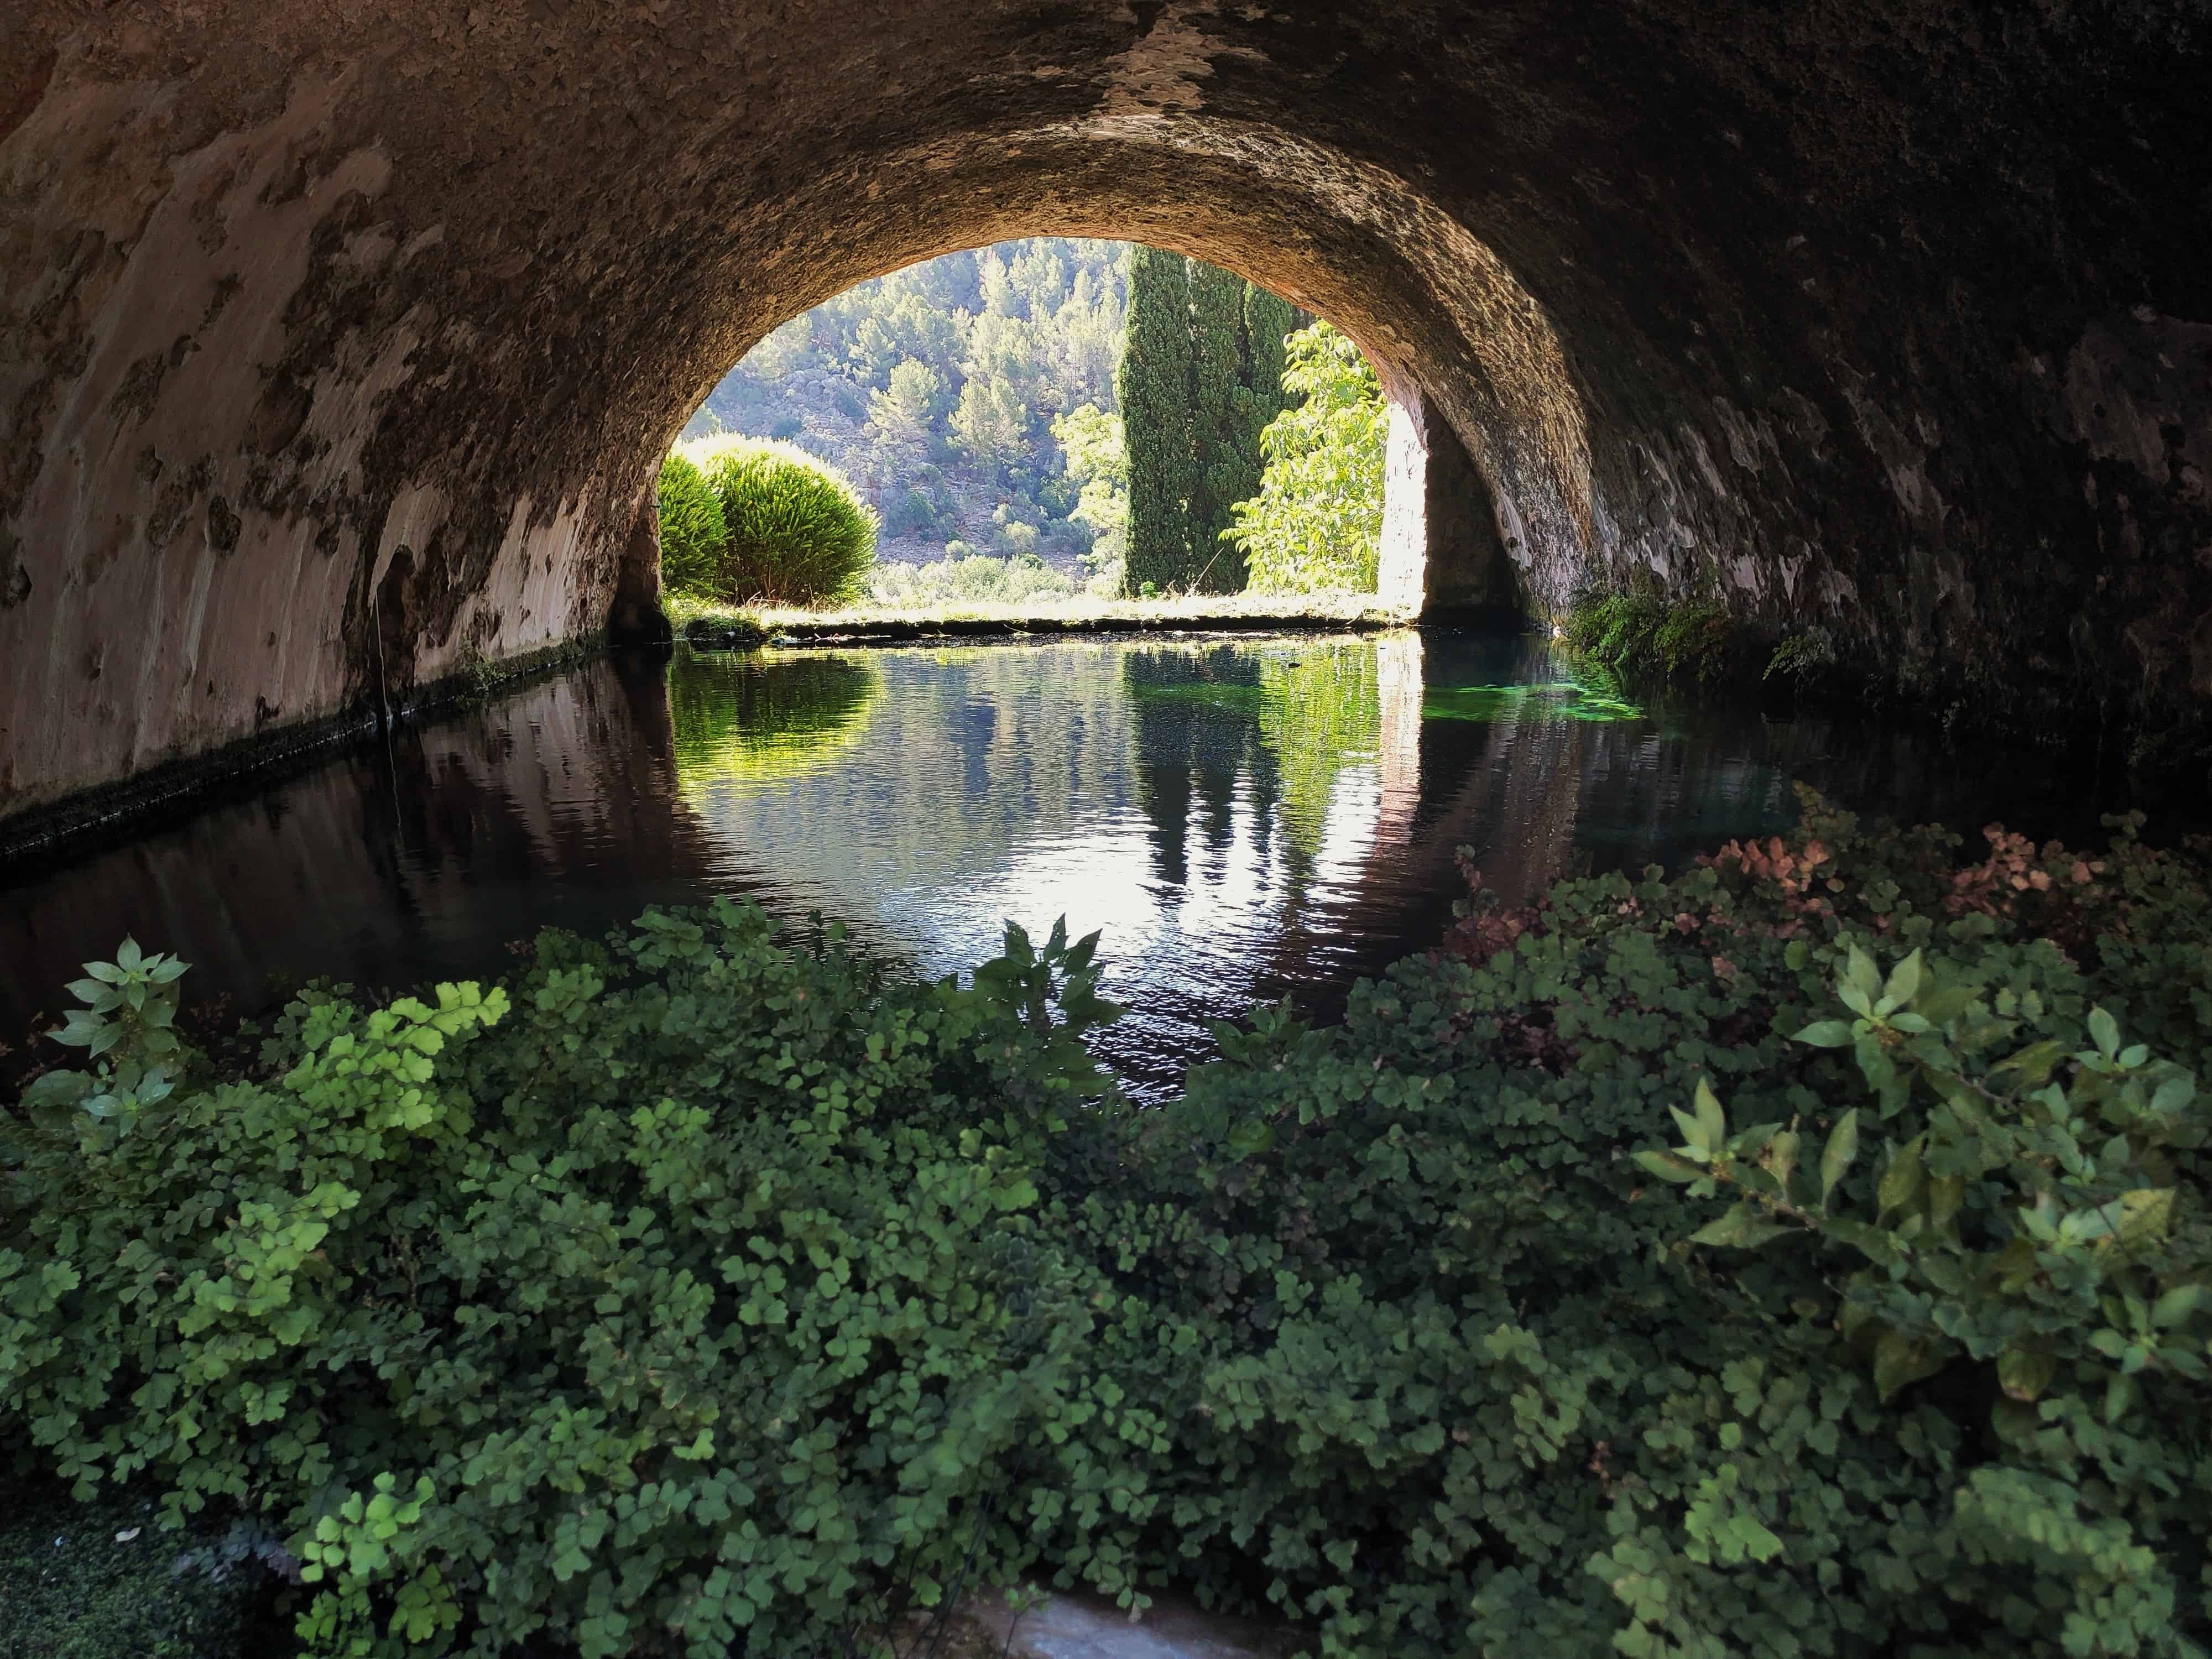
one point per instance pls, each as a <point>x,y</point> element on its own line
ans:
<point>1242,818</point>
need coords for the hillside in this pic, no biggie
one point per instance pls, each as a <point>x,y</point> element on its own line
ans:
<point>934,390</point>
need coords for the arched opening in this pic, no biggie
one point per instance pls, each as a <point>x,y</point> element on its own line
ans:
<point>975,377</point>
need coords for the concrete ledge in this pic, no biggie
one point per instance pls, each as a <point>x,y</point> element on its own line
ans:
<point>173,788</point>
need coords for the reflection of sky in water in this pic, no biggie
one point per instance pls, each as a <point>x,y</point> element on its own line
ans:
<point>1242,818</point>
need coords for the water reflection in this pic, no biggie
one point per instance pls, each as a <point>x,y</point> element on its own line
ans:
<point>1242,818</point>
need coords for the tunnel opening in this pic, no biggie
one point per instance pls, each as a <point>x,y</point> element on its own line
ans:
<point>277,313</point>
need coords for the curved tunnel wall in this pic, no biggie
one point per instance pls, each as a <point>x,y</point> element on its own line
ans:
<point>335,349</point>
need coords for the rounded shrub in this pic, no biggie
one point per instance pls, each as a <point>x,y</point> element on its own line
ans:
<point>692,533</point>
<point>797,531</point>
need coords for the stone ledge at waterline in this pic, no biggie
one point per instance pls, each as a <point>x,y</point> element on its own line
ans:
<point>186,782</point>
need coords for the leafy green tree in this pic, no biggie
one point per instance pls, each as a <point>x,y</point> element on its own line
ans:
<point>1316,524</point>
<point>1097,460</point>
<point>1153,382</point>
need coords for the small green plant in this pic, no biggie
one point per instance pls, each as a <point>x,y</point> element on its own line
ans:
<point>798,533</point>
<point>1693,641</point>
<point>693,536</point>
<point>1800,654</point>
<point>127,1028</point>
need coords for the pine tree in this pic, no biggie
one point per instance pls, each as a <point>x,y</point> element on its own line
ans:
<point>1153,385</point>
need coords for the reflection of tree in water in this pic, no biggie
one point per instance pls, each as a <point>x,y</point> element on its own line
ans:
<point>1196,731</point>
<point>1285,723</point>
<point>1322,712</point>
<point>763,717</point>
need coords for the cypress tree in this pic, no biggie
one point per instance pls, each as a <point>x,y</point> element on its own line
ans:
<point>1228,462</point>
<point>1269,319</point>
<point>1154,384</point>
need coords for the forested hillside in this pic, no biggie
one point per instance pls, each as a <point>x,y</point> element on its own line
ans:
<point>935,390</point>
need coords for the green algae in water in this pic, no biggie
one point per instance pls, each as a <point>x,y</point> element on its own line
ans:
<point>1225,695</point>
<point>1557,700</point>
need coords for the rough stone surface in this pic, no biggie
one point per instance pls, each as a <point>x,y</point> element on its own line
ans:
<point>336,342</point>
<point>1444,550</point>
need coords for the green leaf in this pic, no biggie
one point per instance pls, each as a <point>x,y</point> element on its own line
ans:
<point>2177,1304</point>
<point>1251,1136</point>
<point>2105,1032</point>
<point>1711,1118</point>
<point>1826,1034</point>
<point>2025,1373</point>
<point>1835,1157</point>
<point>1745,1227</point>
<point>2120,1395</point>
<point>2033,1063</point>
<point>1079,958</point>
<point>1900,1361</point>
<point>2144,1216</point>
<point>59,1089</point>
<point>1901,1181</point>
<point>1668,1167</point>
<point>1903,982</point>
<point>1860,974</point>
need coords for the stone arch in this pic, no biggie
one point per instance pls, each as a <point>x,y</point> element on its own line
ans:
<point>1888,318</point>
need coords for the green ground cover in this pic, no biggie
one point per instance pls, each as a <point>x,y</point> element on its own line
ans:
<point>1804,1254</point>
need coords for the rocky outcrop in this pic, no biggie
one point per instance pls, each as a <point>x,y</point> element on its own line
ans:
<point>337,344</point>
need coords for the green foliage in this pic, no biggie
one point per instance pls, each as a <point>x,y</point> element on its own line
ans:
<point>702,1288</point>
<point>1637,635</point>
<point>1316,523</point>
<point>1800,655</point>
<point>690,1289</point>
<point>798,532</point>
<point>693,536</point>
<point>1098,462</point>
<point>970,578</point>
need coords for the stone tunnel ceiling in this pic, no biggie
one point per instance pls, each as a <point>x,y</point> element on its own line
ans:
<point>337,344</point>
